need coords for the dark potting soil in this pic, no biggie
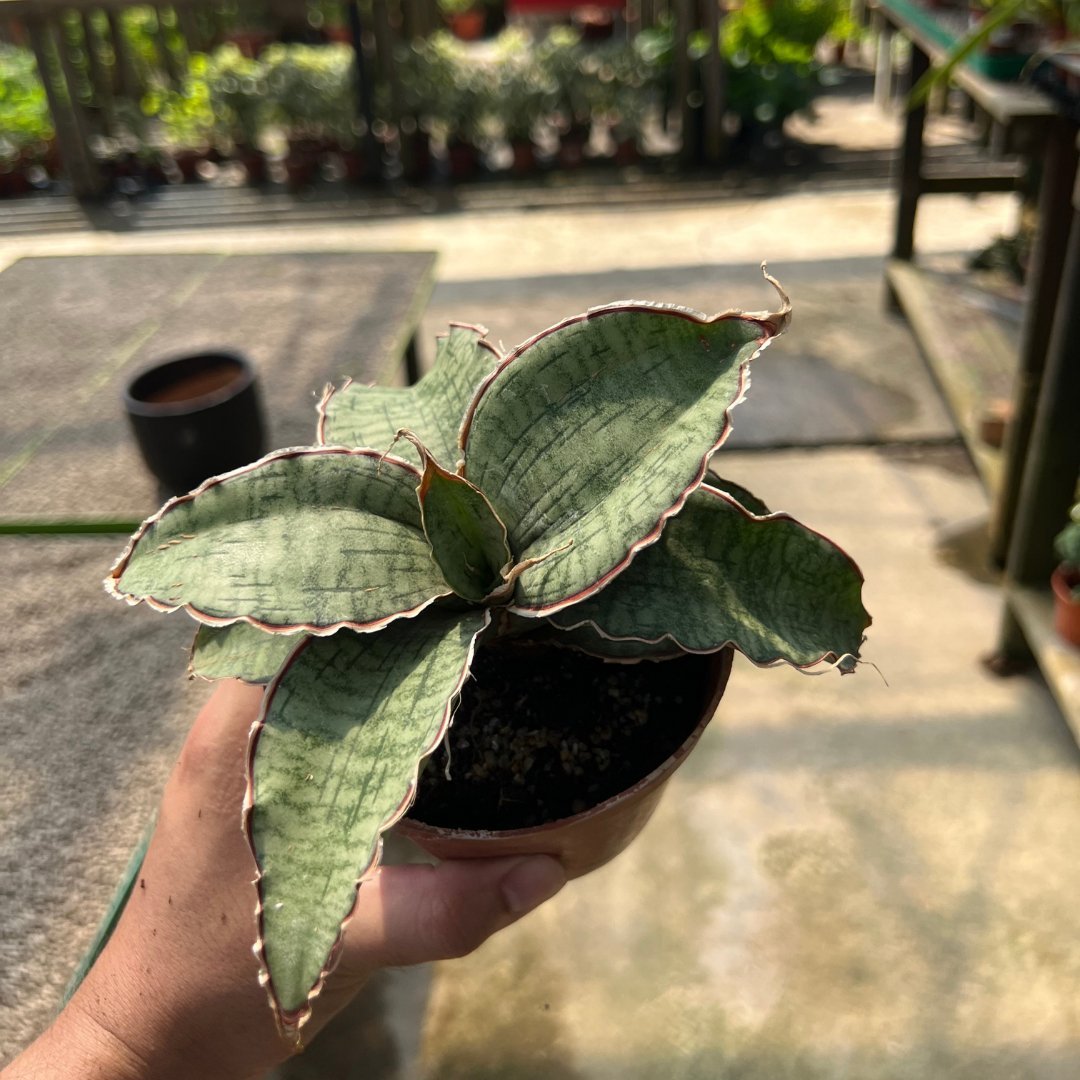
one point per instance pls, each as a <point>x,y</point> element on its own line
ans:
<point>543,733</point>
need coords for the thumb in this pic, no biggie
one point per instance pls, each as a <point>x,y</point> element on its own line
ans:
<point>418,913</point>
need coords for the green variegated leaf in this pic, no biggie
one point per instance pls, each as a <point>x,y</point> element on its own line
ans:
<point>372,415</point>
<point>334,763</point>
<point>771,587</point>
<point>586,438</point>
<point>239,651</point>
<point>468,541</point>
<point>311,539</point>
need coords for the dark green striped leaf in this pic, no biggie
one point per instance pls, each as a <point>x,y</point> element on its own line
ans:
<point>372,415</point>
<point>334,764</point>
<point>589,436</point>
<point>308,539</point>
<point>771,587</point>
<point>239,651</point>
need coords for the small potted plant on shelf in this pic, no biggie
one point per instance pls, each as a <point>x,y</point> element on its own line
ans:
<point>460,100</point>
<point>539,520</point>
<point>1065,581</point>
<point>186,115</point>
<point>310,86</point>
<point>521,97</point>
<point>238,94</point>
<point>26,130</point>
<point>564,59</point>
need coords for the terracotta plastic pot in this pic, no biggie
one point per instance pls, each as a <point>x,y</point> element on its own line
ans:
<point>196,416</point>
<point>585,841</point>
<point>1066,609</point>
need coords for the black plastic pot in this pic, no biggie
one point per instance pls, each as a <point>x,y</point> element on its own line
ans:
<point>196,416</point>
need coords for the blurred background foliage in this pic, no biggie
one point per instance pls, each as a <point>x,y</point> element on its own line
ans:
<point>228,77</point>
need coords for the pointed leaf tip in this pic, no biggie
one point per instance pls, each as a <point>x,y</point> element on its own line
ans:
<point>777,321</point>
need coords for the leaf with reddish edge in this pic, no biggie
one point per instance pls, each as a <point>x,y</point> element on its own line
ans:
<point>468,541</point>
<point>745,498</point>
<point>589,436</point>
<point>239,651</point>
<point>587,639</point>
<point>776,590</point>
<point>356,415</point>
<point>307,539</point>
<point>334,759</point>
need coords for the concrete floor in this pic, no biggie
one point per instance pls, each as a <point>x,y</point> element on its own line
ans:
<point>863,878</point>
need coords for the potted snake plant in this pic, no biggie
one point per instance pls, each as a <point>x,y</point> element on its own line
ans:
<point>442,566</point>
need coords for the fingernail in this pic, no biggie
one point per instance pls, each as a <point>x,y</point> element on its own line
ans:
<point>530,882</point>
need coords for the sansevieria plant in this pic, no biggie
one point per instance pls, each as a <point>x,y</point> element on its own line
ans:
<point>559,486</point>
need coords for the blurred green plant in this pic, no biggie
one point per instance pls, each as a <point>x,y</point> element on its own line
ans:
<point>560,57</point>
<point>311,88</point>
<point>25,122</point>
<point>522,95</point>
<point>238,95</point>
<point>456,95</point>
<point>771,50</point>
<point>186,114</point>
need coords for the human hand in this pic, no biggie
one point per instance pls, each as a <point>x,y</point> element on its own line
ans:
<point>175,992</point>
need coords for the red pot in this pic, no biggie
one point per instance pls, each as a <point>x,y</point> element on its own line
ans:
<point>1066,609</point>
<point>467,25</point>
<point>524,157</point>
<point>464,159</point>
<point>584,841</point>
<point>572,147</point>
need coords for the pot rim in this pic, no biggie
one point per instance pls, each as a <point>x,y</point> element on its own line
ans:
<point>244,378</point>
<point>721,659</point>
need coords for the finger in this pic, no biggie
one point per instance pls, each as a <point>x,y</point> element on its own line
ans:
<point>412,914</point>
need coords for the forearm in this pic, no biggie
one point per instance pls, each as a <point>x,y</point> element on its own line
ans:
<point>175,991</point>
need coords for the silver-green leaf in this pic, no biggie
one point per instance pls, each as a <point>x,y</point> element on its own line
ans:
<point>589,436</point>
<point>334,763</point>
<point>309,539</point>
<point>371,416</point>
<point>239,651</point>
<point>771,587</point>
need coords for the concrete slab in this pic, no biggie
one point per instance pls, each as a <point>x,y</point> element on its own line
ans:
<point>93,707</point>
<point>848,880</point>
<point>91,323</point>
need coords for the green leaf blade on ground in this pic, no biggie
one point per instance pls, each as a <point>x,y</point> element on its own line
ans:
<point>771,587</point>
<point>589,436</point>
<point>371,416</point>
<point>239,651</point>
<point>334,763</point>
<point>309,539</point>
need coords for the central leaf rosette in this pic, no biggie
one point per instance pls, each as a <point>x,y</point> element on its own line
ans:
<point>562,482</point>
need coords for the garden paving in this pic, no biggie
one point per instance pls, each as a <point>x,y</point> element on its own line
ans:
<point>849,879</point>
